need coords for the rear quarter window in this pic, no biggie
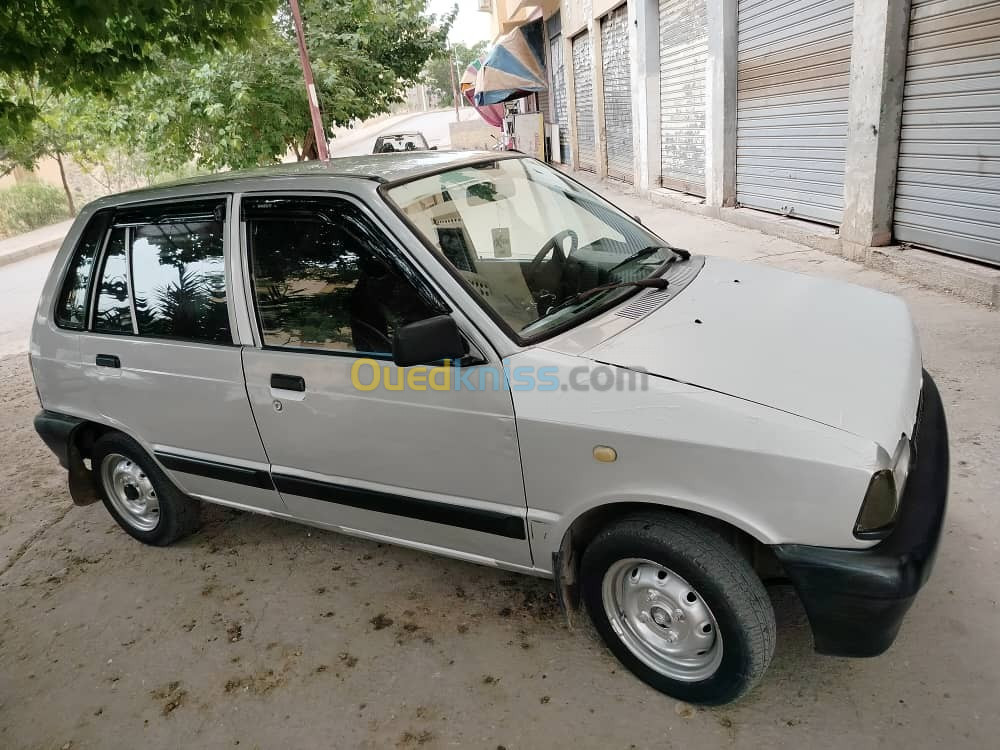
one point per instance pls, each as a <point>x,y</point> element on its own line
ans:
<point>71,305</point>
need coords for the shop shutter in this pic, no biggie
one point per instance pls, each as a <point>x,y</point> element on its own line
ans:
<point>617,93</point>
<point>560,98</point>
<point>793,67</point>
<point>948,179</point>
<point>683,54</point>
<point>583,88</point>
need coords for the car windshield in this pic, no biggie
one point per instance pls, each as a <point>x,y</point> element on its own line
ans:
<point>531,243</point>
<point>401,142</point>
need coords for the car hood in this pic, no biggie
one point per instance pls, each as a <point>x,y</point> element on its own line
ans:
<point>831,352</point>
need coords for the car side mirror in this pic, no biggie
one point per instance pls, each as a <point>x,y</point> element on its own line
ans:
<point>427,341</point>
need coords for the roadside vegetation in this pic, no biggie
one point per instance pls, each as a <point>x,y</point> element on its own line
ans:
<point>30,205</point>
<point>139,92</point>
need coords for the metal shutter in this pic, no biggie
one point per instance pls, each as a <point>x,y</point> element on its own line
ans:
<point>559,95</point>
<point>583,87</point>
<point>948,180</point>
<point>793,77</point>
<point>617,93</point>
<point>683,54</point>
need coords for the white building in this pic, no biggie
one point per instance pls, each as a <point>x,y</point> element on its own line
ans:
<point>878,117</point>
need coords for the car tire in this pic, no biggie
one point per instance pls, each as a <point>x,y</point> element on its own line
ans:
<point>679,606</point>
<point>138,495</point>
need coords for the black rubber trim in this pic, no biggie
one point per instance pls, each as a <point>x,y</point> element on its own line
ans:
<point>856,599</point>
<point>56,431</point>
<point>215,470</point>
<point>288,382</point>
<point>486,521</point>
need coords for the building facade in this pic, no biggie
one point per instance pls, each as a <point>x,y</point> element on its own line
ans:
<point>878,117</point>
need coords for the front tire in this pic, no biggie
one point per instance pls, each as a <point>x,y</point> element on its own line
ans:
<point>679,606</point>
<point>138,495</point>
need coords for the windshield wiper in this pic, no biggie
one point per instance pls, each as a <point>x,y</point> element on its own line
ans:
<point>650,250</point>
<point>656,282</point>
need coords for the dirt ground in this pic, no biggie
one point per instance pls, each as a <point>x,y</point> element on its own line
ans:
<point>262,634</point>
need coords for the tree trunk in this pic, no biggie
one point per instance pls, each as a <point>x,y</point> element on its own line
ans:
<point>309,150</point>
<point>69,193</point>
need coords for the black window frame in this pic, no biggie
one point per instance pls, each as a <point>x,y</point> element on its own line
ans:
<point>169,211</point>
<point>390,251</point>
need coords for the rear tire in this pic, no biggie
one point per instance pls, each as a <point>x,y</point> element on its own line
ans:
<point>679,606</point>
<point>138,495</point>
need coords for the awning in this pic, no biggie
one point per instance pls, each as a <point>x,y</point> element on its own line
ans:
<point>492,114</point>
<point>514,68</point>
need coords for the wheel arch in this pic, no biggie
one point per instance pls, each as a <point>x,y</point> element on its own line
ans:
<point>589,523</point>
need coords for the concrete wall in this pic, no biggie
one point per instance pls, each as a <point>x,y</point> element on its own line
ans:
<point>473,135</point>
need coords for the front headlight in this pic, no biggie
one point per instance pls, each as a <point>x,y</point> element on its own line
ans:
<point>881,503</point>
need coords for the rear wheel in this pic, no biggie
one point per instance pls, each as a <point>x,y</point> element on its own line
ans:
<point>138,495</point>
<point>679,606</point>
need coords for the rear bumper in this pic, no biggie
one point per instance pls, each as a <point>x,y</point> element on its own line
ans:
<point>856,599</point>
<point>55,430</point>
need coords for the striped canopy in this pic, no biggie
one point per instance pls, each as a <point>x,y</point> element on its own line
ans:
<point>492,114</point>
<point>514,68</point>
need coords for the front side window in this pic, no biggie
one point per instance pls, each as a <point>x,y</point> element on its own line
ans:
<point>539,251</point>
<point>178,271</point>
<point>325,278</point>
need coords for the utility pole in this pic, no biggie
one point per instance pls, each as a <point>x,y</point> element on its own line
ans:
<point>307,74</point>
<point>452,62</point>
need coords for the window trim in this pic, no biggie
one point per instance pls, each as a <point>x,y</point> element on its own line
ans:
<point>129,226</point>
<point>393,247</point>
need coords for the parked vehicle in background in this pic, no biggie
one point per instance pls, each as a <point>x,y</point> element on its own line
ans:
<point>390,144</point>
<point>473,355</point>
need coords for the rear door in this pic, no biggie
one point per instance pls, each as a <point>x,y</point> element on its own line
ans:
<point>431,467</point>
<point>158,358</point>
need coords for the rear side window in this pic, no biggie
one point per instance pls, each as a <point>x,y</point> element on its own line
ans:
<point>71,309</point>
<point>179,280</point>
<point>163,274</point>
<point>113,312</point>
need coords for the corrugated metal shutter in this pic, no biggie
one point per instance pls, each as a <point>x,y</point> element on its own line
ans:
<point>617,93</point>
<point>583,88</point>
<point>793,76</point>
<point>683,54</point>
<point>948,180</point>
<point>559,95</point>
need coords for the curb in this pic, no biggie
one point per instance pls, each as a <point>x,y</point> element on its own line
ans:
<point>29,252</point>
<point>942,273</point>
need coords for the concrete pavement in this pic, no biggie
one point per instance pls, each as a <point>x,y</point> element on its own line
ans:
<point>34,242</point>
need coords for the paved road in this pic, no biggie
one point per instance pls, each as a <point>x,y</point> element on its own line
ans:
<point>20,285</point>
<point>434,126</point>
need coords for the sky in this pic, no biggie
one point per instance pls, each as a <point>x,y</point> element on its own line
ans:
<point>470,26</point>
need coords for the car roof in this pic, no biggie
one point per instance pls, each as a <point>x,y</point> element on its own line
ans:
<point>383,168</point>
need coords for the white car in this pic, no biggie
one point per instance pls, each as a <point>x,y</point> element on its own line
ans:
<point>473,355</point>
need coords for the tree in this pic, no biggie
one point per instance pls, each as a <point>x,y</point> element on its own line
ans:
<point>240,108</point>
<point>91,46</point>
<point>437,74</point>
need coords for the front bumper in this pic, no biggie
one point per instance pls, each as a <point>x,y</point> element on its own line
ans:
<point>856,599</point>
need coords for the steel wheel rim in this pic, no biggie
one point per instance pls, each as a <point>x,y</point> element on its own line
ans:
<point>662,619</point>
<point>130,491</point>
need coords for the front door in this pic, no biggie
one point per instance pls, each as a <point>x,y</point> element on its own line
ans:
<point>433,467</point>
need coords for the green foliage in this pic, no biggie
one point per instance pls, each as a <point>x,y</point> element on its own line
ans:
<point>437,76</point>
<point>30,205</point>
<point>242,108</point>
<point>92,45</point>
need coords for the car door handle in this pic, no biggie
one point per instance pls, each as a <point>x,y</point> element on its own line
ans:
<point>108,360</point>
<point>288,382</point>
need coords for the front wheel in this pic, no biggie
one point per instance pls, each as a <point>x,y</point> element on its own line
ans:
<point>679,606</point>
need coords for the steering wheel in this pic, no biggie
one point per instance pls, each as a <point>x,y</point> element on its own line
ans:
<point>545,281</point>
